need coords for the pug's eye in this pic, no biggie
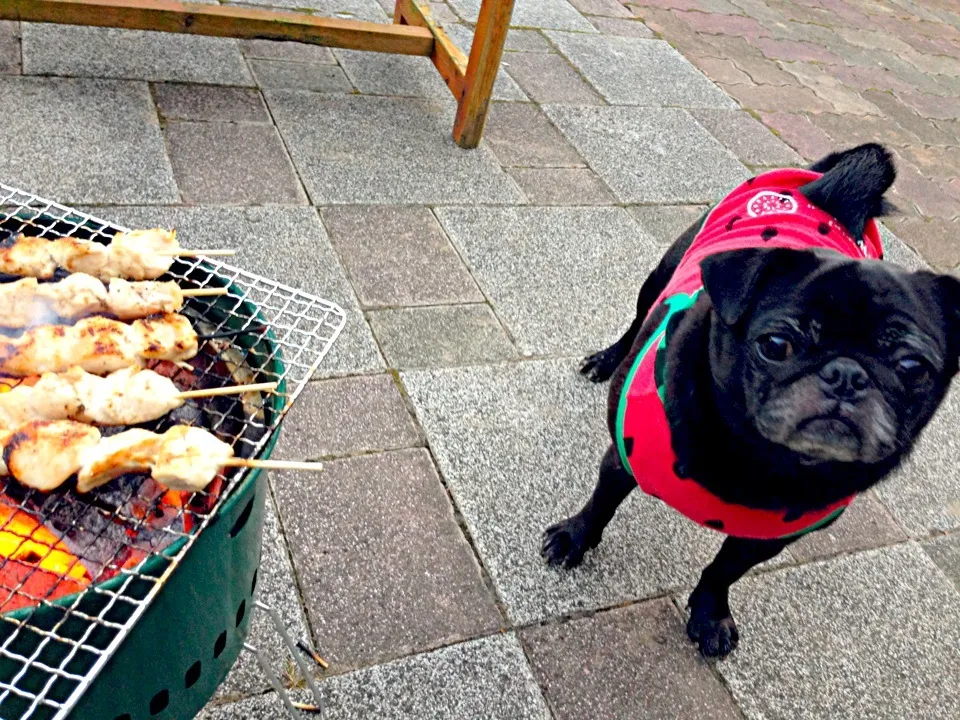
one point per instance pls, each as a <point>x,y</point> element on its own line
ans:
<point>913,369</point>
<point>775,348</point>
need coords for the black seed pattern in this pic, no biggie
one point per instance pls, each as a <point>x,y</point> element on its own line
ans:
<point>159,702</point>
<point>792,515</point>
<point>193,674</point>
<point>715,524</point>
<point>823,228</point>
<point>628,445</point>
<point>769,233</point>
<point>732,221</point>
<point>220,645</point>
<point>750,181</point>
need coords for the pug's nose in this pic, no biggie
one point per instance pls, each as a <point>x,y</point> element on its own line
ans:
<point>844,379</point>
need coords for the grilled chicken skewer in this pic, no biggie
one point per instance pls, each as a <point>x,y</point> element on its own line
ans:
<point>98,345</point>
<point>125,397</point>
<point>26,303</point>
<point>44,454</point>
<point>136,255</point>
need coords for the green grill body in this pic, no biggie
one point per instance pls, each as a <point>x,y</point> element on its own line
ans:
<point>188,639</point>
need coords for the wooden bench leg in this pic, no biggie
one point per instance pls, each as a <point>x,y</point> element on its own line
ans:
<point>482,67</point>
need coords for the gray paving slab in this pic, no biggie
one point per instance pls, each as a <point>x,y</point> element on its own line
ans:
<point>665,223</point>
<point>622,27</point>
<point>300,76</point>
<point>110,151</point>
<point>398,75</point>
<point>633,662</point>
<point>549,78</point>
<point>519,445</point>
<point>344,9</point>
<point>355,150</point>
<point>866,635</point>
<point>209,103</point>
<point>562,186</point>
<point>398,256</point>
<point>10,52</point>
<point>477,680</point>
<point>924,495</point>
<point>563,280</point>
<point>669,158</point>
<point>81,51</point>
<point>945,552</point>
<point>524,41</point>
<point>231,164</point>
<point>865,524</point>
<point>288,245</point>
<point>520,135</point>
<point>277,588</point>
<point>747,138</point>
<point>408,76</point>
<point>557,14</point>
<point>504,88</point>
<point>290,51</point>
<point>632,71</point>
<point>897,251</point>
<point>384,568</point>
<point>440,336</point>
<point>324,421</point>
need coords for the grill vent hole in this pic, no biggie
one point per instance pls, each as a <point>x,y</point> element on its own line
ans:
<point>242,520</point>
<point>220,645</point>
<point>193,674</point>
<point>125,716</point>
<point>241,611</point>
<point>159,702</point>
<point>253,585</point>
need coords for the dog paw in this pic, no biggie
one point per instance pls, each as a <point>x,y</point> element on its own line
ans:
<point>565,543</point>
<point>600,366</point>
<point>716,637</point>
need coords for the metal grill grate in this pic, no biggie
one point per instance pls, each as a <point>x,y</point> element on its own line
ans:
<point>112,531</point>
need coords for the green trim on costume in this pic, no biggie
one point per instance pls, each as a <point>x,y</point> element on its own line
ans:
<point>817,525</point>
<point>675,303</point>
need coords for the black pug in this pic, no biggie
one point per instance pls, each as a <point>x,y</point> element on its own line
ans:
<point>775,368</point>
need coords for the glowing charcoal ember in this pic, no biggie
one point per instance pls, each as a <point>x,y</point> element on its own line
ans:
<point>23,539</point>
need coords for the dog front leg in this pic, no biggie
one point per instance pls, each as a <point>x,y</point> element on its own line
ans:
<point>566,542</point>
<point>711,626</point>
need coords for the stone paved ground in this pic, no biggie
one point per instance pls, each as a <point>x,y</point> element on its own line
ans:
<point>450,414</point>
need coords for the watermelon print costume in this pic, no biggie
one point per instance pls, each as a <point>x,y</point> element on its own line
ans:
<point>765,211</point>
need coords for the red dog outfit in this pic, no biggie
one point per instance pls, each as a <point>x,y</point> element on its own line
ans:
<point>766,211</point>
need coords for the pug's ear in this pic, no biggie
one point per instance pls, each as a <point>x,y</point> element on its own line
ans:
<point>731,278</point>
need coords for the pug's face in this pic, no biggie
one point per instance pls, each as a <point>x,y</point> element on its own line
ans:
<point>834,359</point>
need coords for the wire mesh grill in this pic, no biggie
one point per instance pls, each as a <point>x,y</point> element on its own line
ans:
<point>73,571</point>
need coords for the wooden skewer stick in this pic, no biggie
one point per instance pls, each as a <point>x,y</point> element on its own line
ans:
<point>274,464</point>
<point>183,252</point>
<point>228,390</point>
<point>204,292</point>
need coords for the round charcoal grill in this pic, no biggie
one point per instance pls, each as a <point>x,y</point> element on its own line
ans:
<point>132,602</point>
